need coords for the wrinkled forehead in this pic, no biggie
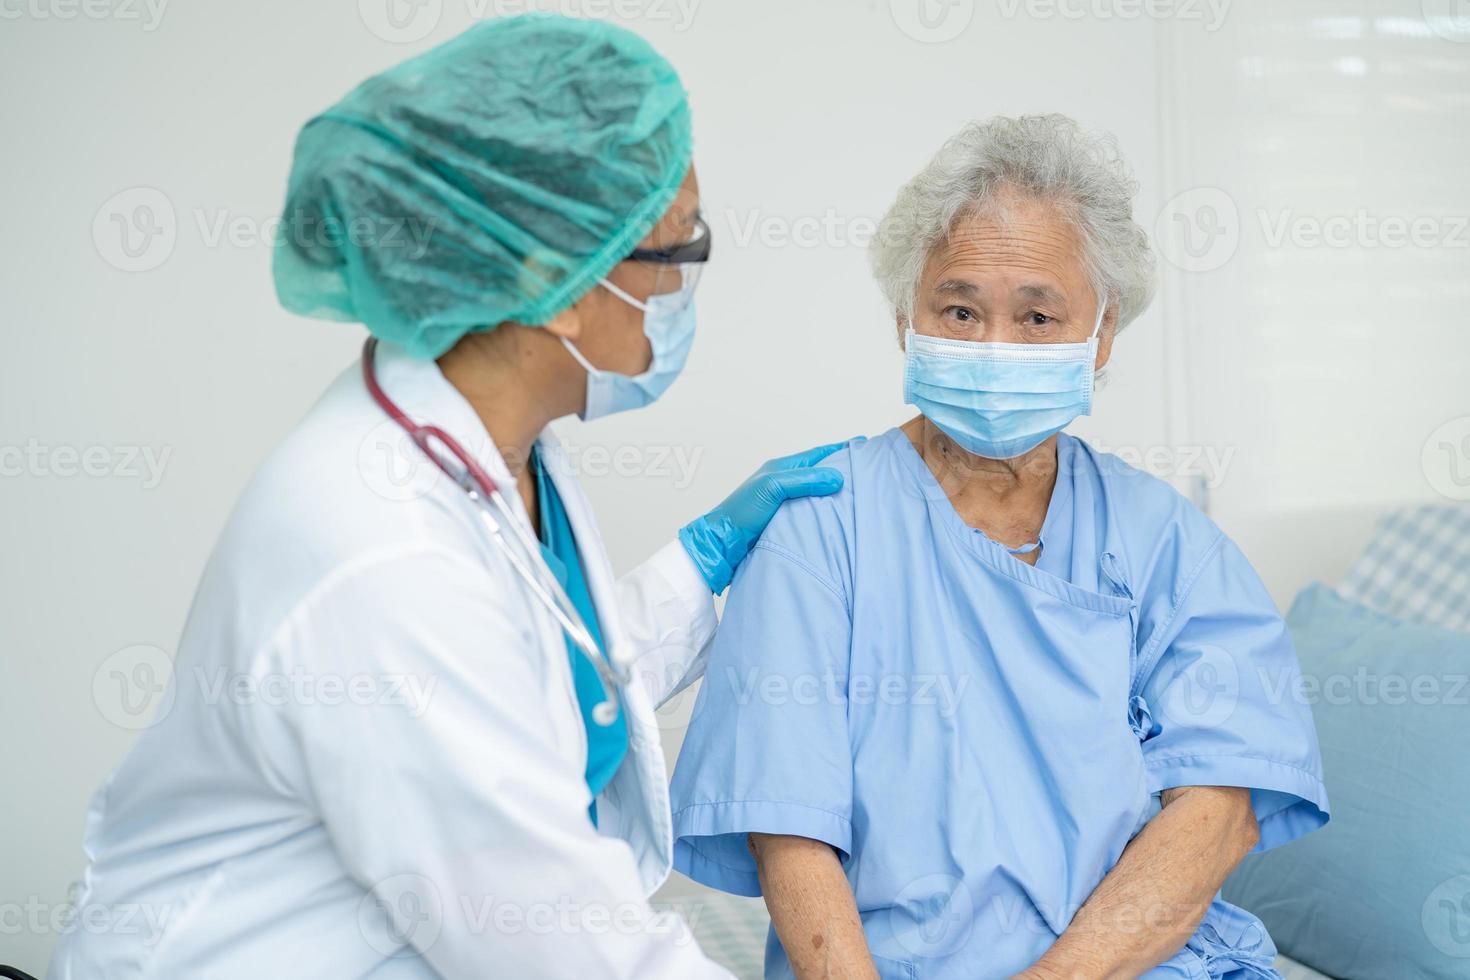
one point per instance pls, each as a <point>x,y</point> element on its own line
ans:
<point>1017,245</point>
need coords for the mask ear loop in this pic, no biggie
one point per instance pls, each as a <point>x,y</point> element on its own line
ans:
<point>1102,309</point>
<point>620,294</point>
<point>572,348</point>
<point>689,273</point>
<point>577,355</point>
<point>1092,347</point>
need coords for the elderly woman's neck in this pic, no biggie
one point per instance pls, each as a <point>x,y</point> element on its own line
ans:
<point>953,465</point>
<point>1007,499</point>
<point>518,380</point>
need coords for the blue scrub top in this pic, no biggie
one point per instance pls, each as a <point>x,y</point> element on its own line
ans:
<point>979,738</point>
<point>606,744</point>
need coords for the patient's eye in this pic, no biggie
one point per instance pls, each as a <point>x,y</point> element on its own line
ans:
<point>962,314</point>
<point>1035,319</point>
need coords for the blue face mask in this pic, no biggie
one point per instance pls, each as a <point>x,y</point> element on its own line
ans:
<point>999,400</point>
<point>668,323</point>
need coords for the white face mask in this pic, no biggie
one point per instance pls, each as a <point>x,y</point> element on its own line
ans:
<point>668,323</point>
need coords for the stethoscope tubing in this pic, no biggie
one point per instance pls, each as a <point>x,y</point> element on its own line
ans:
<point>485,494</point>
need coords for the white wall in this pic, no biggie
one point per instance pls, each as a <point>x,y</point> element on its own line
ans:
<point>809,114</point>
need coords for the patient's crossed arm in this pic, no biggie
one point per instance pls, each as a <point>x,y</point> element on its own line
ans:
<point>1147,907</point>
<point>1143,912</point>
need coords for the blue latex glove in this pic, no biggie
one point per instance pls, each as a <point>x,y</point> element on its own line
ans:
<point>719,541</point>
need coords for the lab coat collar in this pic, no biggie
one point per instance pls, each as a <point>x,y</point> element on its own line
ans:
<point>635,805</point>
<point>427,397</point>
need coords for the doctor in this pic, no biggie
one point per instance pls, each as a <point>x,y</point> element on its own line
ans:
<point>411,728</point>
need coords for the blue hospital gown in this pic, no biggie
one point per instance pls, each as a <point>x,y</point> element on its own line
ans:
<point>979,738</point>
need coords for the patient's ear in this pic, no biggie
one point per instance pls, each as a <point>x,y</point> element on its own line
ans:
<point>1105,338</point>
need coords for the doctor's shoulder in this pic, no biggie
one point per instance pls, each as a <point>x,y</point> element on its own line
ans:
<point>337,490</point>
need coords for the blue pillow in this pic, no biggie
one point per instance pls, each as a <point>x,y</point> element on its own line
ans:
<point>1384,889</point>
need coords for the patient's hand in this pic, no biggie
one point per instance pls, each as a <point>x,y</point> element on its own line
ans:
<point>812,908</point>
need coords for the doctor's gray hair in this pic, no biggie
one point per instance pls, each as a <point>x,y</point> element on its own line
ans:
<point>1047,158</point>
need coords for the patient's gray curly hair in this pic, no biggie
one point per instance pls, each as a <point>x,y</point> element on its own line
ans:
<point>1049,158</point>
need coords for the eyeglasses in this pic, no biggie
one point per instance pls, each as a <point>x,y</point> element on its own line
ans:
<point>697,249</point>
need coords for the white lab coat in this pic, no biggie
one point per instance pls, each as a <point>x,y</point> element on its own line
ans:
<point>372,761</point>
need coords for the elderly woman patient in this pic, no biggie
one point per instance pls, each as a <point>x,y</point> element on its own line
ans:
<point>1003,706</point>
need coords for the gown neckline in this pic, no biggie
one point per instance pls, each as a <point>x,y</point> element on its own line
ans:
<point>990,552</point>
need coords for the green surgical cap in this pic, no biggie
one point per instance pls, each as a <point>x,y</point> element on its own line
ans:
<point>496,177</point>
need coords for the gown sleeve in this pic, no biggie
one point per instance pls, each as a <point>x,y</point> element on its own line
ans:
<point>767,749</point>
<point>1219,699</point>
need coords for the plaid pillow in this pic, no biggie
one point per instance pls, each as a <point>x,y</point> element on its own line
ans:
<point>1416,567</point>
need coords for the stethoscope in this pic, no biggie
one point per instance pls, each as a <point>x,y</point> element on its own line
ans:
<point>481,489</point>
